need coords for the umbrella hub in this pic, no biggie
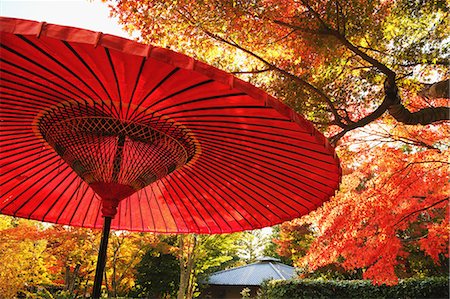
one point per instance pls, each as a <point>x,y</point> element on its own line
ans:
<point>116,157</point>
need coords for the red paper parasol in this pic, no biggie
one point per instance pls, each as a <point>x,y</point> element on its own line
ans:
<point>96,126</point>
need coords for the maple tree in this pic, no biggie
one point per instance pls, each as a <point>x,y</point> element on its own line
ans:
<point>21,257</point>
<point>373,76</point>
<point>392,204</point>
<point>71,254</point>
<point>126,250</point>
<point>342,64</point>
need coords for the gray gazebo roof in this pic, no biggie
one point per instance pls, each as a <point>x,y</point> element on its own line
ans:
<point>266,268</point>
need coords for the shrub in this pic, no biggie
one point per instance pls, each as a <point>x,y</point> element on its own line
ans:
<point>435,287</point>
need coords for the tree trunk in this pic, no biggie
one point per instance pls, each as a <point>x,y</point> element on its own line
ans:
<point>187,261</point>
<point>73,278</point>
<point>106,282</point>
<point>183,282</point>
<point>67,278</point>
<point>190,268</point>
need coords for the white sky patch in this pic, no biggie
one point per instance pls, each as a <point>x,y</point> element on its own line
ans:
<point>92,15</point>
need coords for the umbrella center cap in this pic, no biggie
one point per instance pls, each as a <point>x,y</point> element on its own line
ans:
<point>115,157</point>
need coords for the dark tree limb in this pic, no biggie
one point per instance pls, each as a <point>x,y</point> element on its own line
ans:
<point>422,210</point>
<point>436,90</point>
<point>391,101</point>
<point>252,71</point>
<point>305,84</point>
<point>424,116</point>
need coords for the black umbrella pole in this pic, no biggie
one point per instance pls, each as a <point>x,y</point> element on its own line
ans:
<point>101,261</point>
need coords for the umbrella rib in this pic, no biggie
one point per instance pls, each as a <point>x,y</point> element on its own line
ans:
<point>175,181</point>
<point>60,195</point>
<point>191,101</point>
<point>86,65</point>
<point>138,196</point>
<point>60,64</point>
<point>19,143</point>
<point>13,104</point>
<point>80,185</point>
<point>30,197</point>
<point>264,151</point>
<point>17,133</point>
<point>159,207</point>
<point>28,101</point>
<point>46,69</point>
<point>39,76</point>
<point>212,140</point>
<point>297,186</point>
<point>219,174</point>
<point>13,124</point>
<point>111,64</point>
<point>147,198</point>
<point>138,106</point>
<point>216,108</point>
<point>226,152</point>
<point>218,202</point>
<point>119,214</point>
<point>196,122</point>
<point>18,140</point>
<point>226,149</point>
<point>174,94</point>
<point>97,216</point>
<point>31,93</point>
<point>20,166</point>
<point>128,204</point>
<point>14,118</point>
<point>15,186</point>
<point>181,179</point>
<point>208,129</point>
<point>246,189</point>
<point>217,184</point>
<point>239,173</point>
<point>88,209</point>
<point>166,186</point>
<point>170,206</point>
<point>247,137</point>
<point>138,78</point>
<point>217,116</point>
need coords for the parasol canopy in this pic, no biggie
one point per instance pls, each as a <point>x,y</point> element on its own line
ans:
<point>91,121</point>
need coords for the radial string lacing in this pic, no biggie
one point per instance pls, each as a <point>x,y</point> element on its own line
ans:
<point>112,154</point>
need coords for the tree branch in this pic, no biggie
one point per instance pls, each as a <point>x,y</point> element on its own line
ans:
<point>391,101</point>
<point>362,122</point>
<point>383,68</point>
<point>307,85</point>
<point>424,116</point>
<point>421,210</point>
<point>252,72</point>
<point>436,90</point>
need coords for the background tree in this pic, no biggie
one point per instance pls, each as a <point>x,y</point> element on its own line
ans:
<point>252,244</point>
<point>71,255</point>
<point>392,209</point>
<point>126,250</point>
<point>341,63</point>
<point>373,76</point>
<point>21,257</point>
<point>203,254</point>
<point>158,273</point>
<point>272,246</point>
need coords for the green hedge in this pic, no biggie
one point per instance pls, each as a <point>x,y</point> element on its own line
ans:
<point>436,287</point>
